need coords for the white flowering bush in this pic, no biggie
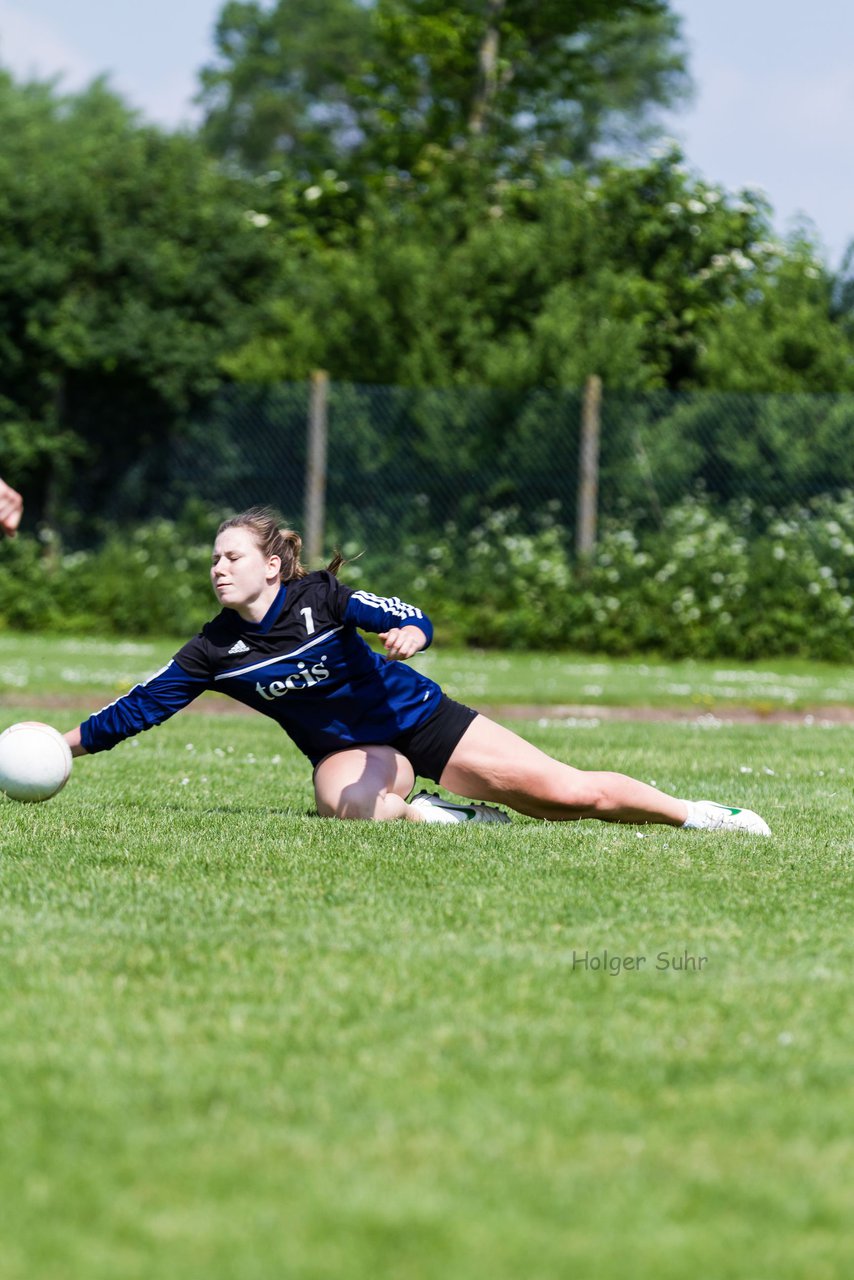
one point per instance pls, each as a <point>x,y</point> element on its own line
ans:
<point>706,584</point>
<point>148,581</point>
<point>802,575</point>
<point>500,582</point>
<point>740,583</point>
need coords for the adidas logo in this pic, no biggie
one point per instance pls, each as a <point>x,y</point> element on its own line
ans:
<point>239,647</point>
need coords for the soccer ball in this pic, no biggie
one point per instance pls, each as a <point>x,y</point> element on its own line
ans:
<point>35,761</point>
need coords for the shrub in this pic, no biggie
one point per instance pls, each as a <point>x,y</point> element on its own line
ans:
<point>705,584</point>
<point>145,582</point>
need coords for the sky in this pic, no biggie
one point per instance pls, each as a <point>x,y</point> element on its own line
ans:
<point>773,106</point>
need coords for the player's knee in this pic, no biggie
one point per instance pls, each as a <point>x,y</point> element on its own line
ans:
<point>362,806</point>
<point>347,806</point>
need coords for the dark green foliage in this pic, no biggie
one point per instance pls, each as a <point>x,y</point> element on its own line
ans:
<point>646,275</point>
<point>137,276</point>
<point>127,266</point>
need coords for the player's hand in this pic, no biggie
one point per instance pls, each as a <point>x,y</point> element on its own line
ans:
<point>11,506</point>
<point>403,642</point>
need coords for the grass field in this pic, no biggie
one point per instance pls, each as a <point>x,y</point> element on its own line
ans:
<point>46,665</point>
<point>242,1043</point>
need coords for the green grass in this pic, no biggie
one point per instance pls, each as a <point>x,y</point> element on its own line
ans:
<point>239,1042</point>
<point>40,665</point>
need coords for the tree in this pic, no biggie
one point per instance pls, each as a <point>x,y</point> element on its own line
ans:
<point>783,334</point>
<point>532,281</point>
<point>527,77</point>
<point>285,88</point>
<point>842,292</point>
<point>128,265</point>
<point>366,87</point>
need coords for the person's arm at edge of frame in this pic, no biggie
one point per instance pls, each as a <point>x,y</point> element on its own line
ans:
<point>11,507</point>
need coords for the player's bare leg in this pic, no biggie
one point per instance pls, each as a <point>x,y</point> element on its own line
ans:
<point>373,783</point>
<point>491,762</point>
<point>367,783</point>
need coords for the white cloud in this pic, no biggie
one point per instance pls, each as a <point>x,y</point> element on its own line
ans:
<point>33,48</point>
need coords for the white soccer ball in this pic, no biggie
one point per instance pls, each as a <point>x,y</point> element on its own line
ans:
<point>35,761</point>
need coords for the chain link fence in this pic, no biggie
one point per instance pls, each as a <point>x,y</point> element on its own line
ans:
<point>404,462</point>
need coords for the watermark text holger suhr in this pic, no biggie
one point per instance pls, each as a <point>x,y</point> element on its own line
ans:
<point>609,962</point>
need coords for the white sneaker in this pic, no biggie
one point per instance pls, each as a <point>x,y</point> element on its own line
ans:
<point>434,809</point>
<point>706,815</point>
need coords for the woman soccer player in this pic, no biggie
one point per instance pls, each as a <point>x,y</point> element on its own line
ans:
<point>286,643</point>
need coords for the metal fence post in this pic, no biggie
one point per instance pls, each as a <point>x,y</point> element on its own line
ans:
<point>588,468</point>
<point>315,475</point>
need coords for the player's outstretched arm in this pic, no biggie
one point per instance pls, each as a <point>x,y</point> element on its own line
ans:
<point>146,705</point>
<point>73,740</point>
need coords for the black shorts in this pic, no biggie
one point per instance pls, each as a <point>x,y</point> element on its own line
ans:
<point>429,746</point>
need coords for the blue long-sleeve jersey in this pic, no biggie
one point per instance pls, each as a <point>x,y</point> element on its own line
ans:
<point>304,665</point>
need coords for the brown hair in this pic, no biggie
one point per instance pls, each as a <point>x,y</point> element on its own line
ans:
<point>273,540</point>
